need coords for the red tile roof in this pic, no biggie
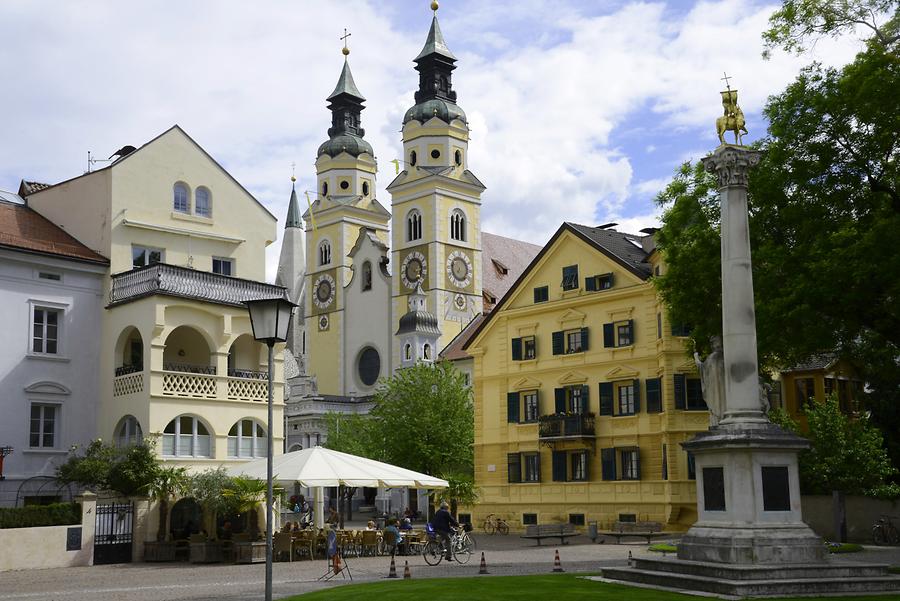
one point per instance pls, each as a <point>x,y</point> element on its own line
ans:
<point>23,228</point>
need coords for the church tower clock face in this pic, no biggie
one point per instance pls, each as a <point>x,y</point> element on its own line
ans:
<point>459,269</point>
<point>413,269</point>
<point>323,291</point>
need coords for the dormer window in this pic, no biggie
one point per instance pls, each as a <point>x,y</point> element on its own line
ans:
<point>500,267</point>
<point>181,202</point>
<point>458,225</point>
<point>414,225</point>
<point>324,253</point>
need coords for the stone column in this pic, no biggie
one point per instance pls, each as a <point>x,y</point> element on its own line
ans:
<point>732,165</point>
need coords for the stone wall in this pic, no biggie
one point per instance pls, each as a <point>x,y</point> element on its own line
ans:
<point>862,512</point>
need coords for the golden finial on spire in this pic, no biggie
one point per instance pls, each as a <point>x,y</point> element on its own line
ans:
<point>435,5</point>
<point>293,176</point>
<point>345,51</point>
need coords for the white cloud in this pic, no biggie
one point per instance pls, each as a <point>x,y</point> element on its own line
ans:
<point>545,86</point>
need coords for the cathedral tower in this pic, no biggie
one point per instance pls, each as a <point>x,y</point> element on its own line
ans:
<point>345,209</point>
<point>436,202</point>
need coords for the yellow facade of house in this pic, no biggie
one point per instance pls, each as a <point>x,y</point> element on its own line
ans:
<point>186,244</point>
<point>582,393</point>
<point>816,379</point>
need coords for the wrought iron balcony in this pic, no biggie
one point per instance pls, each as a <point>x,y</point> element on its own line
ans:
<point>189,368</point>
<point>172,280</point>
<point>249,374</point>
<point>566,426</point>
<point>124,370</point>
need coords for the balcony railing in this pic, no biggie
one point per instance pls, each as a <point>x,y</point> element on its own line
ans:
<point>248,374</point>
<point>189,368</point>
<point>172,280</point>
<point>124,370</point>
<point>566,426</point>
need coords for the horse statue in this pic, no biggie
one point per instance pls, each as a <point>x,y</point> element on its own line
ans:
<point>733,119</point>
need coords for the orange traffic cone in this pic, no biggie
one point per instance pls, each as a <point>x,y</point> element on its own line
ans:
<point>557,567</point>
<point>392,573</point>
<point>406,574</point>
<point>483,568</point>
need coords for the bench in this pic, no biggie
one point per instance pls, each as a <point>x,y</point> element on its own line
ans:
<point>647,530</point>
<point>540,532</point>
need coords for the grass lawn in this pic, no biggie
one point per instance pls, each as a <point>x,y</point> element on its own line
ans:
<point>556,587</point>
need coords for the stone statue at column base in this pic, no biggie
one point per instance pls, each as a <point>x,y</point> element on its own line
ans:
<point>712,380</point>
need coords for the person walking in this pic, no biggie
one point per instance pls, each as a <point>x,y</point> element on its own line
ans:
<point>444,524</point>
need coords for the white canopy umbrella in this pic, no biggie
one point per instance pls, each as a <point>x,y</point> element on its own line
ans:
<point>319,467</point>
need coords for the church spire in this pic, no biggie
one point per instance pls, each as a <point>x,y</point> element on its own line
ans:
<point>293,212</point>
<point>346,104</point>
<point>435,64</point>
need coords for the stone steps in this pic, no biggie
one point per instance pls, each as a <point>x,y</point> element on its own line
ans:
<point>758,581</point>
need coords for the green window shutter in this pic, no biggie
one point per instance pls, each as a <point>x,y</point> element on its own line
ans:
<point>680,391</point>
<point>516,345</point>
<point>586,398</point>
<point>539,467</point>
<point>512,407</point>
<point>631,331</point>
<point>560,398</point>
<point>560,468</point>
<point>590,283</point>
<point>637,395</point>
<point>609,335</point>
<point>608,464</point>
<point>584,339</point>
<point>559,343</point>
<point>654,395</point>
<point>514,467</point>
<point>637,459</point>
<point>606,398</point>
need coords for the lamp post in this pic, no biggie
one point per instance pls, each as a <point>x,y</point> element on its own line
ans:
<point>270,319</point>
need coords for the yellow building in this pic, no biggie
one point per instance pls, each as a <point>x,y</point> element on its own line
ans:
<point>186,244</point>
<point>817,378</point>
<point>582,392</point>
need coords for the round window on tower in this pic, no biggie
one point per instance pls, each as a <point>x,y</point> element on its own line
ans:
<point>369,366</point>
<point>344,184</point>
<point>458,158</point>
<point>435,154</point>
<point>324,188</point>
<point>412,158</point>
<point>365,188</point>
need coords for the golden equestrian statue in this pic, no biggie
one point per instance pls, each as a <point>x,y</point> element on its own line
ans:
<point>733,119</point>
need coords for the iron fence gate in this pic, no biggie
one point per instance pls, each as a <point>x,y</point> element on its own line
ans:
<point>114,533</point>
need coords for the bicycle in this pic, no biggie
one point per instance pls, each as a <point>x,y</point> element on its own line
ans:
<point>884,532</point>
<point>461,547</point>
<point>493,524</point>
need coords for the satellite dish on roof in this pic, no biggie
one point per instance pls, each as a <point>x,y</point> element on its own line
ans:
<point>123,152</point>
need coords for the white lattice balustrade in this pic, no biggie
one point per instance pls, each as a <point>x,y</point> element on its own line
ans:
<point>245,389</point>
<point>128,384</point>
<point>189,385</point>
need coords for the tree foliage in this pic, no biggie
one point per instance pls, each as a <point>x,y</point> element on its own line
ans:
<point>103,466</point>
<point>847,453</point>
<point>799,22</point>
<point>209,488</point>
<point>423,420</point>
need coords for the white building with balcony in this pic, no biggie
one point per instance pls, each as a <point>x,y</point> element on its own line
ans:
<point>186,247</point>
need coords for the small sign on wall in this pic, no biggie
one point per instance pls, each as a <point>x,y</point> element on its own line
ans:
<point>73,538</point>
<point>491,467</point>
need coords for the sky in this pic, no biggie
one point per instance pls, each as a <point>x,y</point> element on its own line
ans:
<point>579,110</point>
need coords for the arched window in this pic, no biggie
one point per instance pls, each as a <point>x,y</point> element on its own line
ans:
<point>181,202</point>
<point>407,352</point>
<point>203,202</point>
<point>367,276</point>
<point>128,432</point>
<point>324,188</point>
<point>246,439</point>
<point>185,436</point>
<point>412,158</point>
<point>426,352</point>
<point>458,225</point>
<point>414,225</point>
<point>457,156</point>
<point>324,253</point>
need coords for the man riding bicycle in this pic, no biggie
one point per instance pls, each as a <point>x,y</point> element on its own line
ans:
<point>444,524</point>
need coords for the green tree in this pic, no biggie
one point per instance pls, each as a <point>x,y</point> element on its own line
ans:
<point>103,466</point>
<point>799,22</point>
<point>847,453</point>
<point>461,490</point>
<point>246,494</point>
<point>208,489</point>
<point>169,482</point>
<point>351,433</point>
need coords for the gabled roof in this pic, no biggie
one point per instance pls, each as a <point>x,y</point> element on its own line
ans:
<point>26,187</point>
<point>820,361</point>
<point>467,177</point>
<point>24,229</point>
<point>624,249</point>
<point>36,187</point>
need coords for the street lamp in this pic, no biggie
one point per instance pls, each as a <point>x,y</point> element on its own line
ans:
<point>270,319</point>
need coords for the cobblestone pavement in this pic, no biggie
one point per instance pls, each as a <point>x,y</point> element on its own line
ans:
<point>508,555</point>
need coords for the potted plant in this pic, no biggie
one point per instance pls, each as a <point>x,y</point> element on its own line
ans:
<point>245,495</point>
<point>208,488</point>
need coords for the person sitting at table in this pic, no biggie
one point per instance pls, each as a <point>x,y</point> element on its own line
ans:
<point>286,527</point>
<point>226,531</point>
<point>371,526</point>
<point>406,524</point>
<point>333,517</point>
<point>399,545</point>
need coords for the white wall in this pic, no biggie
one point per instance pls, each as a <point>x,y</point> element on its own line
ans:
<point>68,379</point>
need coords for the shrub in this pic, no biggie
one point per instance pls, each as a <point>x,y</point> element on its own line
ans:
<point>57,514</point>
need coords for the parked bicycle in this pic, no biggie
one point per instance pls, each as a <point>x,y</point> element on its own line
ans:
<point>884,532</point>
<point>461,547</point>
<point>494,524</point>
